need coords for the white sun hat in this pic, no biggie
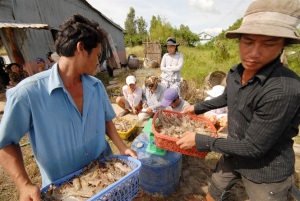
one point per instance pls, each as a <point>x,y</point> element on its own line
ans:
<point>216,91</point>
<point>130,80</point>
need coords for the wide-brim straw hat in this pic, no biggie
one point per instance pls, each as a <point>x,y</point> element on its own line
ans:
<point>278,18</point>
<point>171,41</point>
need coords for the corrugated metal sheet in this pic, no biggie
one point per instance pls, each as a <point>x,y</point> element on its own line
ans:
<point>112,22</point>
<point>34,41</point>
<point>6,11</point>
<point>23,25</point>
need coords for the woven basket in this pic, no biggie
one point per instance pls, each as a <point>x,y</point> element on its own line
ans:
<point>169,143</point>
<point>215,78</point>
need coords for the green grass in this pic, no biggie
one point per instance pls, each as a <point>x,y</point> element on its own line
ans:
<point>136,50</point>
<point>198,63</point>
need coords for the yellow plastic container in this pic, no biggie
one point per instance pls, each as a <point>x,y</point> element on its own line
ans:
<point>125,135</point>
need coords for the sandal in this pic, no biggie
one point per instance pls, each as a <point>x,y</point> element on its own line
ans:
<point>123,113</point>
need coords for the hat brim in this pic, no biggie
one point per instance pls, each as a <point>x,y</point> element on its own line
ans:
<point>211,94</point>
<point>175,44</point>
<point>165,103</point>
<point>266,30</point>
<point>131,82</point>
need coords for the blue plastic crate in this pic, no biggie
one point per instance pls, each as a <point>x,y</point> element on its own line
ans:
<point>124,189</point>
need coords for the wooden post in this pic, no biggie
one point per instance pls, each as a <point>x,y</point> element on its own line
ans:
<point>18,57</point>
<point>113,49</point>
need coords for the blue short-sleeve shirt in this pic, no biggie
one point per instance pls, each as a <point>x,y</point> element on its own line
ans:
<point>62,139</point>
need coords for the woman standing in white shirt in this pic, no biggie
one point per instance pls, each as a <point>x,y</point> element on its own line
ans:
<point>171,64</point>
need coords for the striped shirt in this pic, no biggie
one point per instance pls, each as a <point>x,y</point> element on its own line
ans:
<point>263,117</point>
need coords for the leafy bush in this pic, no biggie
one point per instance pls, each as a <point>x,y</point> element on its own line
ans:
<point>293,58</point>
<point>220,52</point>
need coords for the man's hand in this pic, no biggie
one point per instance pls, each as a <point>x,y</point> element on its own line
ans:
<point>134,110</point>
<point>189,109</point>
<point>149,111</point>
<point>12,161</point>
<point>129,152</point>
<point>29,192</point>
<point>187,140</point>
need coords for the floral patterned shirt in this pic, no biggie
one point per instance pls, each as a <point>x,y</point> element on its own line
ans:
<point>15,78</point>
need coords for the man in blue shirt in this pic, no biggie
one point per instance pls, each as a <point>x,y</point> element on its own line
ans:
<point>65,111</point>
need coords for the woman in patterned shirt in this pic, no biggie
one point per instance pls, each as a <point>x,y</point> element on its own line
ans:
<point>16,73</point>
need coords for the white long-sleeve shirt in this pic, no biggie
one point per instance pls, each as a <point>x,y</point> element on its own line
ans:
<point>171,66</point>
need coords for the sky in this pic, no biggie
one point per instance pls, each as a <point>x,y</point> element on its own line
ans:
<point>209,16</point>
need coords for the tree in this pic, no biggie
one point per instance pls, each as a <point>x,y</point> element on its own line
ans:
<point>141,30</point>
<point>186,36</point>
<point>130,27</point>
<point>141,26</point>
<point>135,28</point>
<point>235,26</point>
<point>130,23</point>
<point>160,29</point>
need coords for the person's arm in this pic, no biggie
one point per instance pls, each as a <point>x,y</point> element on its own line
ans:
<point>125,92</point>
<point>12,161</point>
<point>136,100</point>
<point>177,67</point>
<point>112,133</point>
<point>266,128</point>
<point>163,63</point>
<point>218,102</point>
<point>204,106</point>
<point>156,107</point>
<point>137,96</point>
<point>190,109</point>
<point>144,97</point>
<point>159,94</point>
